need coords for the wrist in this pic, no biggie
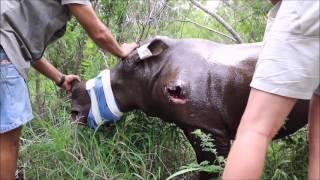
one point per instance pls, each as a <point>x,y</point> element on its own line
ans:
<point>61,80</point>
<point>121,55</point>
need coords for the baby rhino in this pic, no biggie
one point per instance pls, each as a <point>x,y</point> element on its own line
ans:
<point>194,83</point>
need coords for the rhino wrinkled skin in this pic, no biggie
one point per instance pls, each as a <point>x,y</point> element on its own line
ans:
<point>194,83</point>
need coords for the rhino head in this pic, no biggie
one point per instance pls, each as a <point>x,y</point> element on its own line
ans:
<point>150,83</point>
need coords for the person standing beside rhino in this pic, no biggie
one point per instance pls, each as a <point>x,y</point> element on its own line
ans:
<point>26,28</point>
<point>287,70</point>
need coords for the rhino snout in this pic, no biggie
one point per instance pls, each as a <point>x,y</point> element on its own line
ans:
<point>77,117</point>
<point>81,103</point>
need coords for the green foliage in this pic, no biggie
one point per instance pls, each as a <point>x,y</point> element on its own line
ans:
<point>206,141</point>
<point>248,18</point>
<point>93,61</point>
<point>127,150</point>
<point>195,167</point>
<point>207,146</point>
<point>288,158</point>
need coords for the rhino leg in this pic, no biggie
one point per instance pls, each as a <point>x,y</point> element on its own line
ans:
<point>222,145</point>
<point>297,118</point>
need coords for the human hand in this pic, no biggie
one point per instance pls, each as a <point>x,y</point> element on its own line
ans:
<point>128,48</point>
<point>67,84</point>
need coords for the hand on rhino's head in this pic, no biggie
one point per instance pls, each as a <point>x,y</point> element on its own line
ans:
<point>80,98</point>
<point>151,78</point>
<point>147,50</point>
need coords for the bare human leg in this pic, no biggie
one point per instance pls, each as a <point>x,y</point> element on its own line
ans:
<point>314,138</point>
<point>264,115</point>
<point>9,145</point>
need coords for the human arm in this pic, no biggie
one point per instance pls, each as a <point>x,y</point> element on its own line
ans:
<point>99,32</point>
<point>48,70</point>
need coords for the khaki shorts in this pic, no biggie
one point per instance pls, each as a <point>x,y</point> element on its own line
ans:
<point>289,62</point>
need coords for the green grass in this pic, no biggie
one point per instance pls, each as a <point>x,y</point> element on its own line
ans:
<point>136,148</point>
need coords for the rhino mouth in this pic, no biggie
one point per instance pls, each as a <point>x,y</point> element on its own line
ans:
<point>78,118</point>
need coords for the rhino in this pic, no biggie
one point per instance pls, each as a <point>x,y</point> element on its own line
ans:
<point>193,83</point>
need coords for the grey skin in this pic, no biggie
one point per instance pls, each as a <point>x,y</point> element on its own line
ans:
<point>196,84</point>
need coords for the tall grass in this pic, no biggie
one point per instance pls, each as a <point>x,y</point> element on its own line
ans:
<point>136,148</point>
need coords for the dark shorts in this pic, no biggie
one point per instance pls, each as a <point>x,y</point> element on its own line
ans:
<point>15,107</point>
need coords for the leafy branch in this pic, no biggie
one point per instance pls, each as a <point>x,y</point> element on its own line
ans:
<point>220,20</point>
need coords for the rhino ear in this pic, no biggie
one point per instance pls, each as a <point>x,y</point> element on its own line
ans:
<point>152,49</point>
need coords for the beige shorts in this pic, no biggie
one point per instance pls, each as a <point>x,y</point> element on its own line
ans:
<point>289,62</point>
